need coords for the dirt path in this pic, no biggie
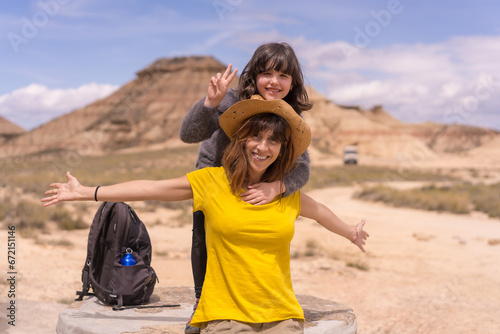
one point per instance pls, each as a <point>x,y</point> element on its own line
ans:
<point>427,272</point>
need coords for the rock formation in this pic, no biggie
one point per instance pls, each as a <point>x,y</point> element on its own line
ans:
<point>9,130</point>
<point>148,111</point>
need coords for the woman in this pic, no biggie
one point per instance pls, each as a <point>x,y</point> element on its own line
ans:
<point>247,284</point>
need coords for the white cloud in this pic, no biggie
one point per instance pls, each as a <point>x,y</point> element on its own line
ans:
<point>453,81</point>
<point>36,104</point>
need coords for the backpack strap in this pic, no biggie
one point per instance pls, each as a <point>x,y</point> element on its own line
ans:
<point>126,227</point>
<point>120,302</point>
<point>99,240</point>
<point>85,284</point>
<point>116,308</point>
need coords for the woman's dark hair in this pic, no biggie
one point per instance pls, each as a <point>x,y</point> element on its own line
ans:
<point>280,57</point>
<point>235,159</point>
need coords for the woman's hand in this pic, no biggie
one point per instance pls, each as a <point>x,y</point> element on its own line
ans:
<point>63,192</point>
<point>262,193</point>
<point>217,87</point>
<point>361,235</point>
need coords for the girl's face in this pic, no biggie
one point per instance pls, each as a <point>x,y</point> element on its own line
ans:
<point>261,150</point>
<point>273,85</point>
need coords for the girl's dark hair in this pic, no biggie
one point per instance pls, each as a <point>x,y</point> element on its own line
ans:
<point>280,57</point>
<point>235,159</point>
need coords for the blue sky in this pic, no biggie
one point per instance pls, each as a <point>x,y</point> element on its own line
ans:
<point>422,60</point>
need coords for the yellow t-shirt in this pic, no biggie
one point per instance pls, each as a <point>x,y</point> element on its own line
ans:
<point>248,250</point>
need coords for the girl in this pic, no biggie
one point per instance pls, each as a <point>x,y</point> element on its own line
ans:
<point>248,285</point>
<point>274,73</point>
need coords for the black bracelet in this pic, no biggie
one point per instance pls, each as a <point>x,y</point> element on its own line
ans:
<point>95,194</point>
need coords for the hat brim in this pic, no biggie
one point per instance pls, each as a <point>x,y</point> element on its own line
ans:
<point>231,120</point>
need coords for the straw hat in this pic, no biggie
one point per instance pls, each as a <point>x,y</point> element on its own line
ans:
<point>231,120</point>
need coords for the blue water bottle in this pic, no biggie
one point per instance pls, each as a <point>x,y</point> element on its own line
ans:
<point>128,259</point>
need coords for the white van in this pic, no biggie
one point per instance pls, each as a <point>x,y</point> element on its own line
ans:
<point>350,155</point>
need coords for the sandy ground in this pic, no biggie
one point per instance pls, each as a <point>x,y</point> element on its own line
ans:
<point>423,272</point>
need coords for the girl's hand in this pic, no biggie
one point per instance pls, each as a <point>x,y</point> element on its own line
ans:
<point>62,192</point>
<point>217,87</point>
<point>261,193</point>
<point>361,235</point>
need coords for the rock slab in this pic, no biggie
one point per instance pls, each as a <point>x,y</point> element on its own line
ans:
<point>92,317</point>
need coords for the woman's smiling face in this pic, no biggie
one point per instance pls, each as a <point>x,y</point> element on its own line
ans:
<point>261,150</point>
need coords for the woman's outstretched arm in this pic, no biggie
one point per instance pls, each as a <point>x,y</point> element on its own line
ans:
<point>323,215</point>
<point>177,189</point>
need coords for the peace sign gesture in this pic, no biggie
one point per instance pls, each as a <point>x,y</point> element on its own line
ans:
<point>217,87</point>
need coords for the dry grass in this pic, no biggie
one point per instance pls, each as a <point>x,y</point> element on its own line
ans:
<point>461,198</point>
<point>322,177</point>
<point>33,174</point>
<point>358,265</point>
<point>31,218</point>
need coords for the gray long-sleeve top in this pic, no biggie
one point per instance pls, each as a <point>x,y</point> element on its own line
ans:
<point>201,124</point>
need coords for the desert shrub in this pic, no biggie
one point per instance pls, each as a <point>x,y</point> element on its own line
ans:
<point>485,198</point>
<point>26,216</point>
<point>65,220</point>
<point>358,265</point>
<point>181,205</point>
<point>311,248</point>
<point>460,198</point>
<point>322,177</point>
<point>30,217</point>
<point>379,193</point>
<point>61,242</point>
<point>185,217</point>
<point>33,174</point>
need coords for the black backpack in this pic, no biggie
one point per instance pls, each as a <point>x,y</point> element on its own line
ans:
<point>116,228</point>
